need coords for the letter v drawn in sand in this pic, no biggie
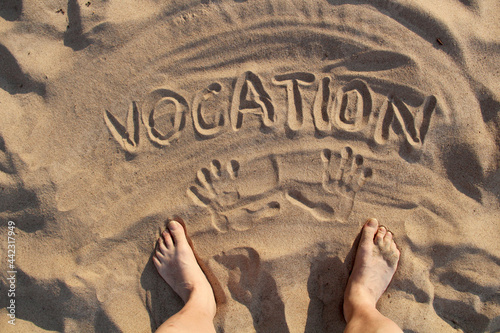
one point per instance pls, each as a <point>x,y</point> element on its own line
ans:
<point>127,136</point>
<point>341,186</point>
<point>218,192</point>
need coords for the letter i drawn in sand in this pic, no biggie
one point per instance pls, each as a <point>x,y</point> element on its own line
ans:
<point>218,193</point>
<point>341,186</point>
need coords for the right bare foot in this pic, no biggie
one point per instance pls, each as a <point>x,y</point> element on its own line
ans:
<point>175,261</point>
<point>375,264</point>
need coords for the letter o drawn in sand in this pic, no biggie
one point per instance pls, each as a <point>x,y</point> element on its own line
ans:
<point>179,120</point>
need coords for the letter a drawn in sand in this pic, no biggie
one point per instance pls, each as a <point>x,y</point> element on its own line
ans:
<point>250,97</point>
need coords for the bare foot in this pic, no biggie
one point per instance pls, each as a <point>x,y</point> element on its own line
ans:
<point>175,261</point>
<point>375,264</point>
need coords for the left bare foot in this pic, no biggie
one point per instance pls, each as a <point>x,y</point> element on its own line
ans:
<point>175,261</point>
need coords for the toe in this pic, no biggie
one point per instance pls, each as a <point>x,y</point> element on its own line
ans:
<point>388,240</point>
<point>156,261</point>
<point>177,232</point>
<point>159,255</point>
<point>379,237</point>
<point>167,239</point>
<point>162,248</point>
<point>394,248</point>
<point>368,232</point>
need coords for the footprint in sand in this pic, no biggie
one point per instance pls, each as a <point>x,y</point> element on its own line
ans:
<point>217,191</point>
<point>255,288</point>
<point>341,184</point>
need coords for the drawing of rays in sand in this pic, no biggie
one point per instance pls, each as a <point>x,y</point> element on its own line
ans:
<point>289,31</point>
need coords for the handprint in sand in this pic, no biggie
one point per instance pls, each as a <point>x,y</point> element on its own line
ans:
<point>217,191</point>
<point>340,181</point>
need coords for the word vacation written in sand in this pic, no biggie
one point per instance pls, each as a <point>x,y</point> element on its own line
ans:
<point>348,109</point>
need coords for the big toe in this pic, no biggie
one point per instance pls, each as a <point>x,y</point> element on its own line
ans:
<point>369,230</point>
<point>177,232</point>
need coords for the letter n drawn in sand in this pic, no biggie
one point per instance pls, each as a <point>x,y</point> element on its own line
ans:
<point>218,193</point>
<point>395,112</point>
<point>250,97</point>
<point>127,136</point>
<point>340,184</point>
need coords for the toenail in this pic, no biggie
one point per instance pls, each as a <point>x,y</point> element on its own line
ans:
<point>173,225</point>
<point>372,222</point>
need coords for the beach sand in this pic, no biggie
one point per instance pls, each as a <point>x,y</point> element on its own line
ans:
<point>274,129</point>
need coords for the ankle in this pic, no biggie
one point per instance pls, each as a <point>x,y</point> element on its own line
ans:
<point>353,308</point>
<point>366,318</point>
<point>203,302</point>
<point>356,293</point>
<point>357,301</point>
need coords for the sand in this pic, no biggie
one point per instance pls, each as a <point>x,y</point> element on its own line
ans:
<point>274,129</point>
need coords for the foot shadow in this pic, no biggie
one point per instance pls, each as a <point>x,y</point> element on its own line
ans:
<point>254,287</point>
<point>161,301</point>
<point>326,285</point>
